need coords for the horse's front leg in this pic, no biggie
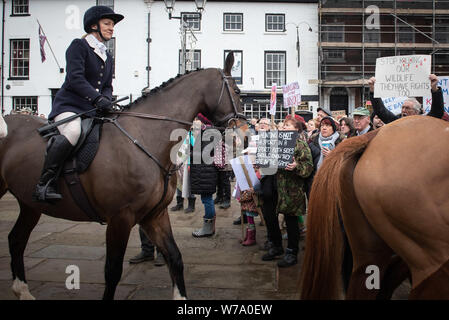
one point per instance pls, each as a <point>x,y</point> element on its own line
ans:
<point>158,229</point>
<point>117,235</point>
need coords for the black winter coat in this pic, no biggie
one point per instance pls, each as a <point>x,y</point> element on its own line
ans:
<point>203,177</point>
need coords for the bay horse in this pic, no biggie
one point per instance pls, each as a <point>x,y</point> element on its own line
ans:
<point>123,184</point>
<point>388,189</point>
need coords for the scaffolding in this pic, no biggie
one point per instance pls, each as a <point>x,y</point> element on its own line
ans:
<point>354,33</point>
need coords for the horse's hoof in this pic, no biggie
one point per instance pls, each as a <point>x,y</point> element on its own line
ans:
<point>21,291</point>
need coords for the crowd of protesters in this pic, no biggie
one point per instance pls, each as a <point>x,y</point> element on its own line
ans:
<point>285,193</point>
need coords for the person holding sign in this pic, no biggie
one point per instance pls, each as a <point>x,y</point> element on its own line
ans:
<point>291,184</point>
<point>322,144</point>
<point>411,106</point>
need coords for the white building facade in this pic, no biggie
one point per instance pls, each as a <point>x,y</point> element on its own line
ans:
<point>147,47</point>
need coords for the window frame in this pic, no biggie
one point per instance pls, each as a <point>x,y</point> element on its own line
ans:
<point>14,107</point>
<point>232,14</point>
<point>11,77</point>
<point>20,14</point>
<point>327,32</point>
<point>274,14</point>
<point>265,67</point>
<point>399,33</point>
<point>107,43</point>
<point>238,80</point>
<point>107,5</point>
<point>195,21</point>
<point>195,51</point>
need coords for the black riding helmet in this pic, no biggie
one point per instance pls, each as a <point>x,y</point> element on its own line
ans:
<point>95,14</point>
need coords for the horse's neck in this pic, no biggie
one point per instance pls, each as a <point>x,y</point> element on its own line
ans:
<point>178,101</point>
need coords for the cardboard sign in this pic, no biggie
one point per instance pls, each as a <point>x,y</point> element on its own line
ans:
<point>240,176</point>
<point>273,99</point>
<point>275,149</point>
<point>292,95</point>
<point>402,76</point>
<point>427,100</point>
<point>394,104</point>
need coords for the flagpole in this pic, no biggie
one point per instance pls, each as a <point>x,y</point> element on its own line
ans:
<point>61,70</point>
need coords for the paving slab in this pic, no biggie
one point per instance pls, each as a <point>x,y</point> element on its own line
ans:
<point>70,252</point>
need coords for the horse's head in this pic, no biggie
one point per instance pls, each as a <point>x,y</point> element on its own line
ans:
<point>227,110</point>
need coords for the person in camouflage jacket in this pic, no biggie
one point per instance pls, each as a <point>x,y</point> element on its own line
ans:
<point>291,184</point>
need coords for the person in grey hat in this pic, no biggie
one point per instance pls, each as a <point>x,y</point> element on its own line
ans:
<point>362,121</point>
<point>322,113</point>
<point>411,106</point>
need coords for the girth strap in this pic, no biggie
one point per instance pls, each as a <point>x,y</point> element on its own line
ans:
<point>78,193</point>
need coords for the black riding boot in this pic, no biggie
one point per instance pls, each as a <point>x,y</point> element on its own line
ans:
<point>58,150</point>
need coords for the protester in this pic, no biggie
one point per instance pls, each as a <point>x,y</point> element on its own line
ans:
<point>310,128</point>
<point>411,106</point>
<point>376,122</point>
<point>321,145</point>
<point>322,113</point>
<point>347,127</point>
<point>183,176</point>
<point>203,180</point>
<point>249,208</point>
<point>291,198</point>
<point>362,121</point>
<point>88,84</point>
<point>223,199</point>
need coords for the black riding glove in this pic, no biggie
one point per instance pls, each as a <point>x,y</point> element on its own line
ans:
<point>103,104</point>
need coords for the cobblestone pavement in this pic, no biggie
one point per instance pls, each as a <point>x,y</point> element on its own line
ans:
<point>215,268</point>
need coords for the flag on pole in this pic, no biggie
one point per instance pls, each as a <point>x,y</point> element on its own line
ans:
<point>42,39</point>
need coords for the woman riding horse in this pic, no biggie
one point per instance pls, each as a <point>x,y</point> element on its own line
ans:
<point>88,83</point>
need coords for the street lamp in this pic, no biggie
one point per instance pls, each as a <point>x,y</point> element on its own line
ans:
<point>170,6</point>
<point>297,36</point>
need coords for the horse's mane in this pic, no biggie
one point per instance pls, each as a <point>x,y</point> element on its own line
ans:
<point>147,93</point>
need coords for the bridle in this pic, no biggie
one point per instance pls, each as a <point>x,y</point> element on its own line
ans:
<point>232,116</point>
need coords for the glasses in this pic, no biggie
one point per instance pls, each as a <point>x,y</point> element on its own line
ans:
<point>264,123</point>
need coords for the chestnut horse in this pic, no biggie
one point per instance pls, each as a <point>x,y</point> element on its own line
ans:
<point>123,184</point>
<point>389,189</point>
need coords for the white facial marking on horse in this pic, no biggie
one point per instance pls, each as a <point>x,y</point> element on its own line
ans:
<point>177,294</point>
<point>20,289</point>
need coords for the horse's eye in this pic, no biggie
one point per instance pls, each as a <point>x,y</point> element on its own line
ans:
<point>237,91</point>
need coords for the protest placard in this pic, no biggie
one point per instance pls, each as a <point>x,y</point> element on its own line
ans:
<point>273,99</point>
<point>292,95</point>
<point>443,82</point>
<point>275,149</point>
<point>240,175</point>
<point>402,76</point>
<point>394,104</point>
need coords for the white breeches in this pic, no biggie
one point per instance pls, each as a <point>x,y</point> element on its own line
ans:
<point>71,130</point>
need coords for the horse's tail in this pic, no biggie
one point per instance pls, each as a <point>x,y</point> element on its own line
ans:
<point>3,127</point>
<point>321,269</point>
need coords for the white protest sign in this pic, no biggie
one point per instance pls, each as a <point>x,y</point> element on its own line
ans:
<point>273,99</point>
<point>443,82</point>
<point>394,104</point>
<point>402,76</point>
<point>292,95</point>
<point>240,176</point>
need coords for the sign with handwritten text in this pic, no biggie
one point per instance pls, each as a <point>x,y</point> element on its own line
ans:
<point>292,95</point>
<point>275,149</point>
<point>402,76</point>
<point>394,104</point>
<point>443,82</point>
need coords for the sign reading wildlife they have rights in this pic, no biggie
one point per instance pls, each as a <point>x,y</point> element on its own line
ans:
<point>275,149</point>
<point>402,76</point>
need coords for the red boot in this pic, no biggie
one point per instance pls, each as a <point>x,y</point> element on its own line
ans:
<point>246,236</point>
<point>251,238</point>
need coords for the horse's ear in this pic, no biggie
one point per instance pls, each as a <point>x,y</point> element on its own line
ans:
<point>229,63</point>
